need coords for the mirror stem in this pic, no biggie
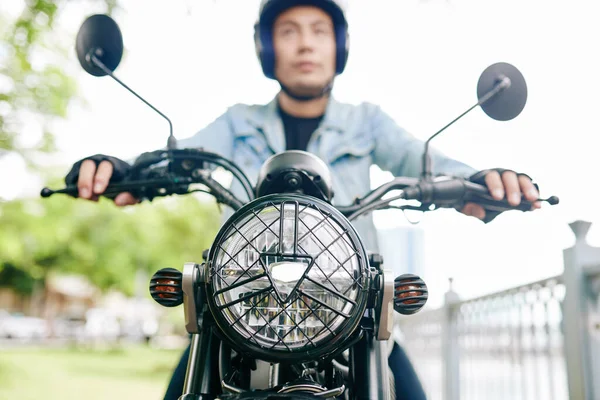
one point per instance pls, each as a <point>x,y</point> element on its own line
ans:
<point>91,57</point>
<point>503,83</point>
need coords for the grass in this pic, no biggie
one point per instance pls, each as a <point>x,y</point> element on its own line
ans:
<point>65,374</point>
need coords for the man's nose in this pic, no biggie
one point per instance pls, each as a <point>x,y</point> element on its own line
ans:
<point>307,40</point>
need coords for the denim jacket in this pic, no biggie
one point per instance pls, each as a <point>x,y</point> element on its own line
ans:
<point>349,139</point>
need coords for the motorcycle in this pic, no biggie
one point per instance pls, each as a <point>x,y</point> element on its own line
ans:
<point>287,293</point>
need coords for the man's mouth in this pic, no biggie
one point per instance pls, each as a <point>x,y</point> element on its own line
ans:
<point>305,66</point>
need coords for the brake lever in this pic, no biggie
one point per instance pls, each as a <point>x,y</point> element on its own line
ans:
<point>479,194</point>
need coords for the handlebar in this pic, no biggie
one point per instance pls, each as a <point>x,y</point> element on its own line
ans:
<point>376,194</point>
<point>168,172</point>
<point>442,193</point>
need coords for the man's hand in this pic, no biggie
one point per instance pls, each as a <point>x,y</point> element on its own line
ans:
<point>509,185</point>
<point>93,181</point>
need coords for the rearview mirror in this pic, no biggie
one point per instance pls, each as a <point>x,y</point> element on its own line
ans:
<point>509,102</point>
<point>100,36</point>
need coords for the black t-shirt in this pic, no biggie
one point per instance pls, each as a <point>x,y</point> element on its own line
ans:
<point>298,130</point>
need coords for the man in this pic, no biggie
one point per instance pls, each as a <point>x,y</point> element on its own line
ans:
<point>304,45</point>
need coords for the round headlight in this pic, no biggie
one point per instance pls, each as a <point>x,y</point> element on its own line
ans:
<point>288,278</point>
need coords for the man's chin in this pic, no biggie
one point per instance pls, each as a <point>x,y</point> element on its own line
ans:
<point>307,89</point>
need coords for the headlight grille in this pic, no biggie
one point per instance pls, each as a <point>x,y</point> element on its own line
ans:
<point>288,276</point>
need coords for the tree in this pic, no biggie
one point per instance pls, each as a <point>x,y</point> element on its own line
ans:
<point>98,240</point>
<point>105,243</point>
<point>33,87</point>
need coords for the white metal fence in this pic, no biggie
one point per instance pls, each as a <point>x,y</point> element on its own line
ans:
<point>535,341</point>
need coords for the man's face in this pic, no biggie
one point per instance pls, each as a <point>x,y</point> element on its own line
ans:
<point>305,50</point>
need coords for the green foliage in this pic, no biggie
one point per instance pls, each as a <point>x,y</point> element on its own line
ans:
<point>33,86</point>
<point>105,243</point>
<point>18,279</point>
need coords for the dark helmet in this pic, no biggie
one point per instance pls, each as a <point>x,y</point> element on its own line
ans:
<point>270,9</point>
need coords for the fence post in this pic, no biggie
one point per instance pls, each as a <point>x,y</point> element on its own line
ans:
<point>450,346</point>
<point>594,328</point>
<point>576,319</point>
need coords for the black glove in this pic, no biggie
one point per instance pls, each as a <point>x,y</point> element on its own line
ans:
<point>479,178</point>
<point>120,168</point>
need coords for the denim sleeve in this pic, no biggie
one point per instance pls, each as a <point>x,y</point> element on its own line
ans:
<point>217,137</point>
<point>399,152</point>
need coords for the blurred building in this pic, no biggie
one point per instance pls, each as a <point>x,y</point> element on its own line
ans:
<point>402,249</point>
<point>61,294</point>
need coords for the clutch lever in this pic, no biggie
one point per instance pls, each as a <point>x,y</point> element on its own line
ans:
<point>113,189</point>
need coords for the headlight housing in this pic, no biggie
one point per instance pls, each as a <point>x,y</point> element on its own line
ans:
<point>287,278</point>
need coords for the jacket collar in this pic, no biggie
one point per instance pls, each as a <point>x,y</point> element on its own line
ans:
<point>266,120</point>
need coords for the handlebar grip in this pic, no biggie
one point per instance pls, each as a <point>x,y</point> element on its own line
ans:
<point>480,194</point>
<point>457,191</point>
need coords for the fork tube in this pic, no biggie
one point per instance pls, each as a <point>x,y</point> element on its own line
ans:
<point>202,380</point>
<point>369,373</point>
